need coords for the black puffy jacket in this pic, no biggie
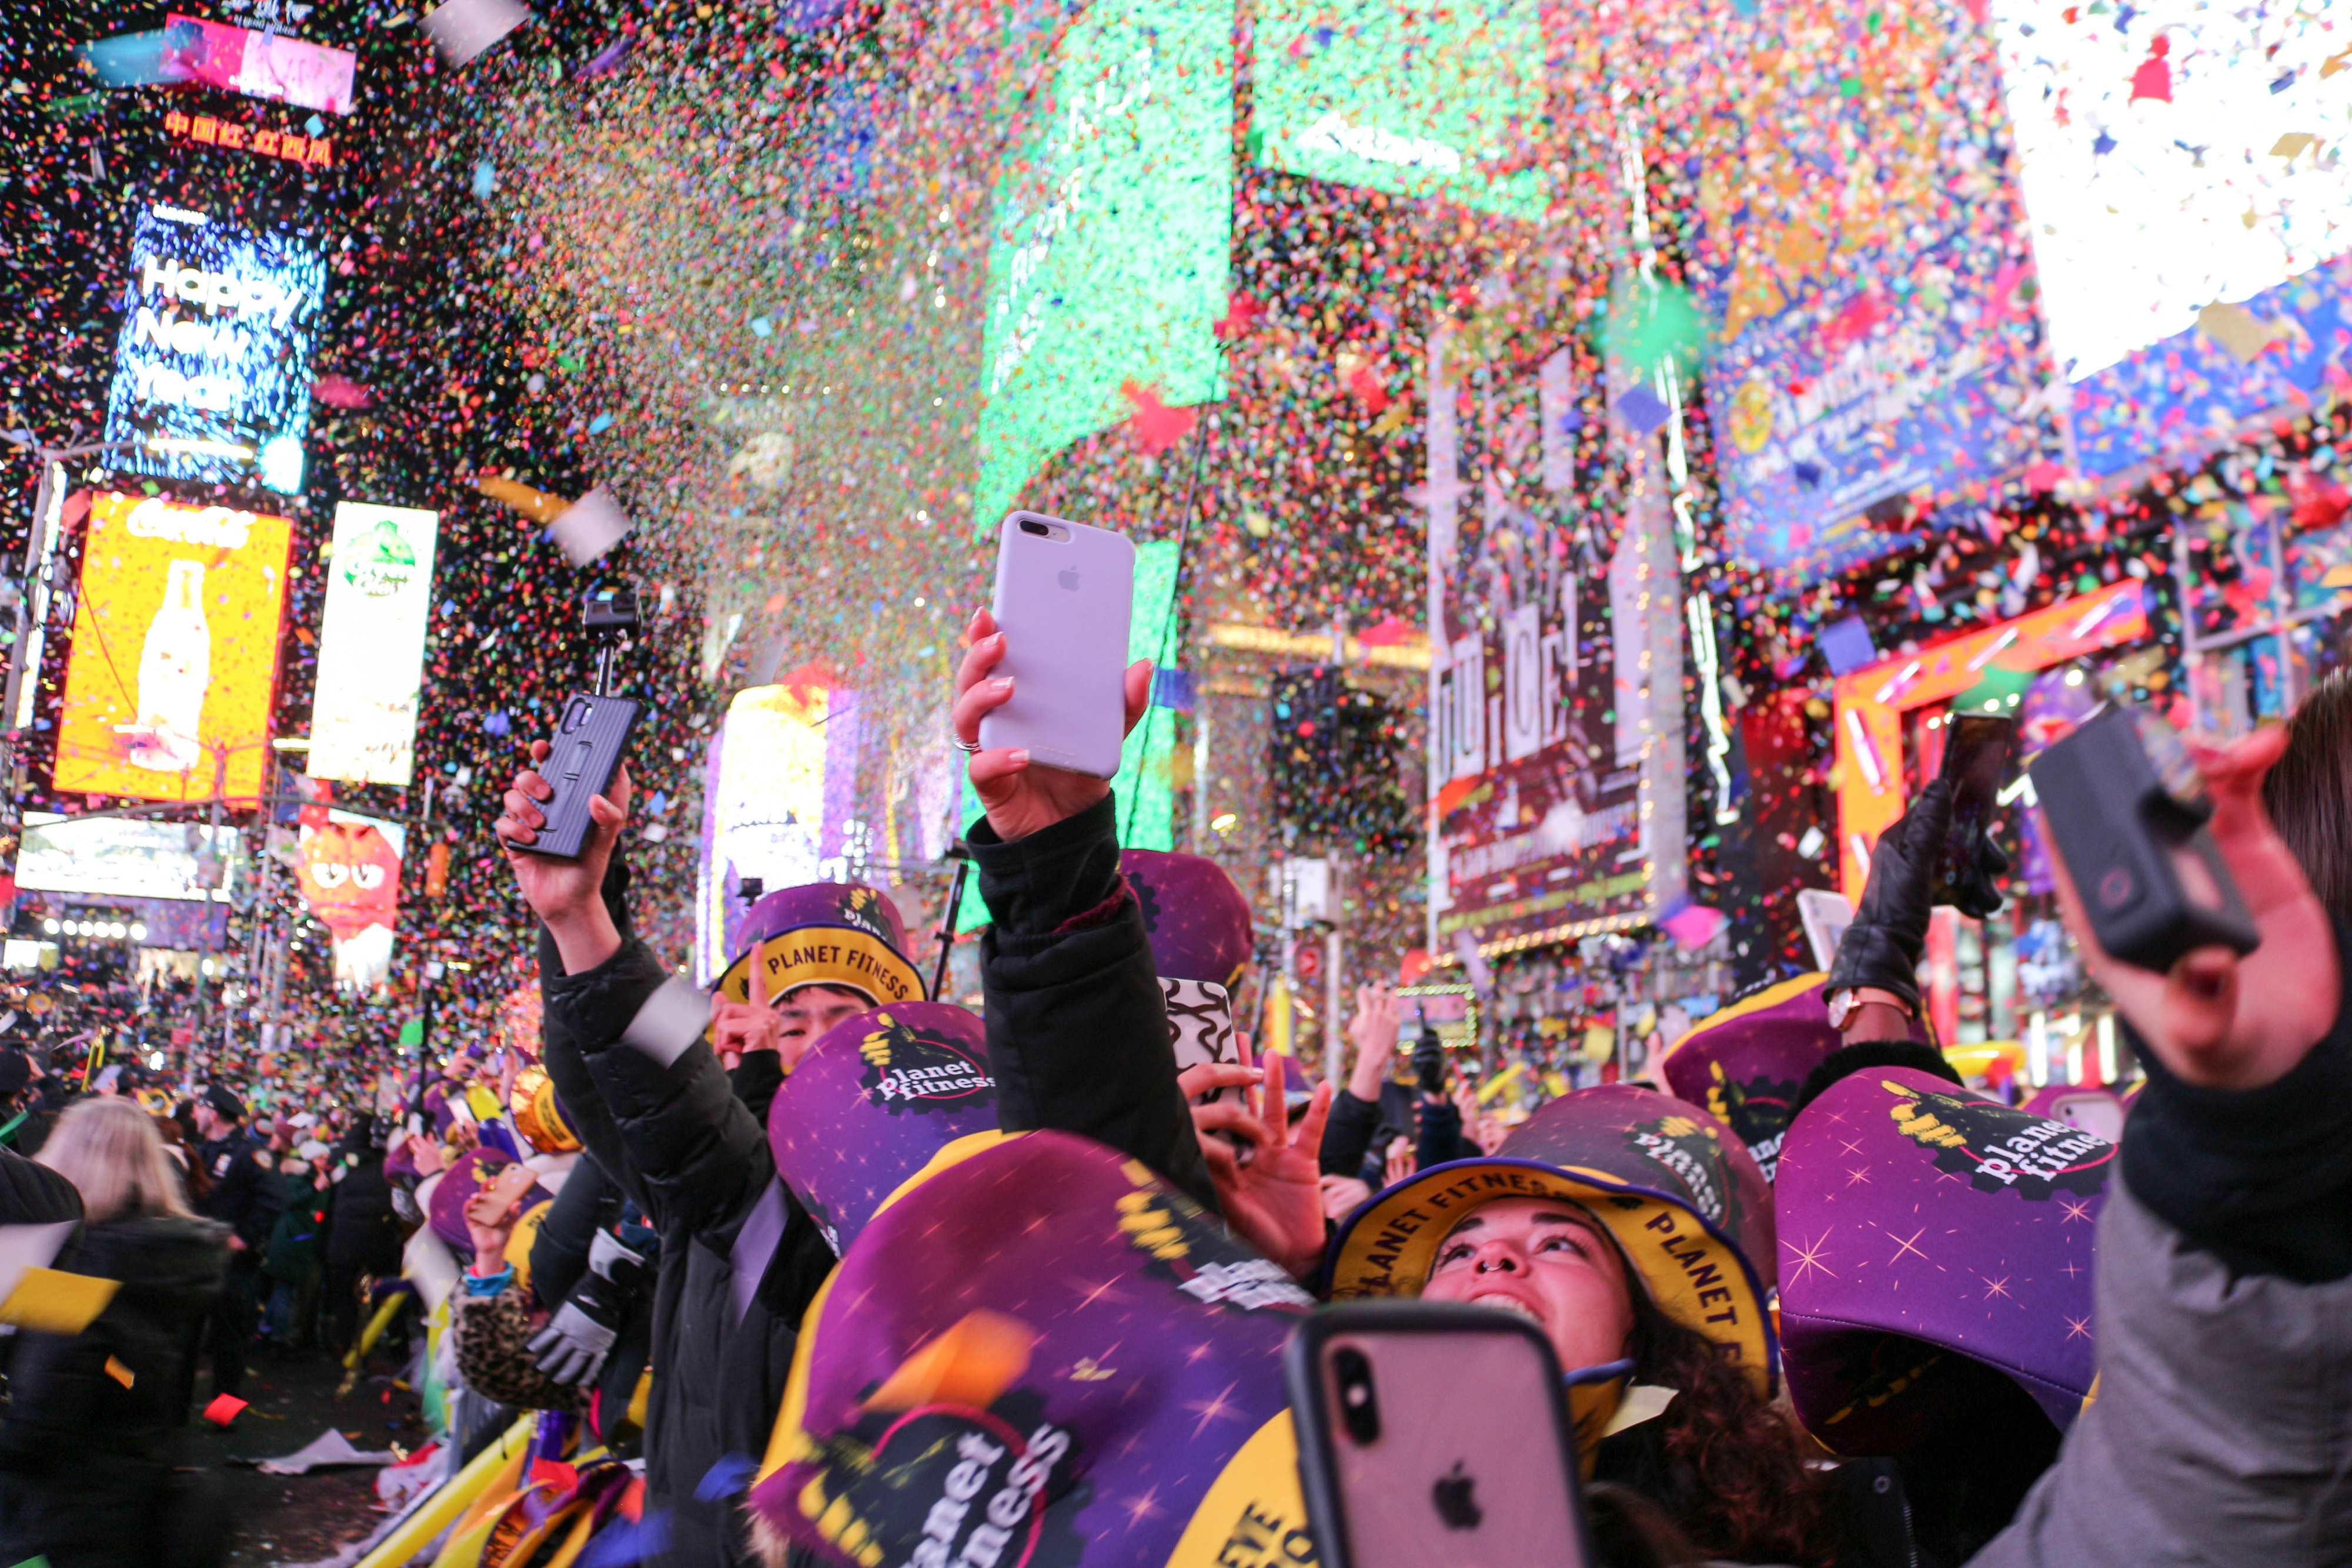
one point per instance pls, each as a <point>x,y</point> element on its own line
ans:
<point>93,1426</point>
<point>362,1230</point>
<point>695,1159</point>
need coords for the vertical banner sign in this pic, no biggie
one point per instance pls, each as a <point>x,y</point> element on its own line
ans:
<point>1536,731</point>
<point>212,372</point>
<point>1114,214</point>
<point>174,657</point>
<point>372,644</point>
<point>349,866</point>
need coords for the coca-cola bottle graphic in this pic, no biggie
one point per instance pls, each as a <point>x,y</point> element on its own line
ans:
<point>174,667</point>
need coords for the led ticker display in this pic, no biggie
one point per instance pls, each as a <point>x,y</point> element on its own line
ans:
<point>122,857</point>
<point>1113,217</point>
<point>315,151</point>
<point>2180,167</point>
<point>372,644</point>
<point>175,651</point>
<point>212,372</point>
<point>1407,97</point>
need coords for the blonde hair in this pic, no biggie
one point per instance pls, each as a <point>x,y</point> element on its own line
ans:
<point>109,1149</point>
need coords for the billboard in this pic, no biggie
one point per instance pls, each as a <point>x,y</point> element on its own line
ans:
<point>2191,218</point>
<point>372,644</point>
<point>1107,255</point>
<point>212,369</point>
<point>1557,610</point>
<point>349,866</point>
<point>174,656</point>
<point>121,857</point>
<point>778,787</point>
<point>258,65</point>
<point>1405,97</point>
<point>1878,349</point>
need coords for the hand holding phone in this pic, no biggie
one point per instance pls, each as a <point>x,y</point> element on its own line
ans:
<point>1434,1433</point>
<point>1065,594</point>
<point>1979,754</point>
<point>2220,1019</point>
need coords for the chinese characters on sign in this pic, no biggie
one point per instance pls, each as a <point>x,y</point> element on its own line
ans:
<point>317,152</point>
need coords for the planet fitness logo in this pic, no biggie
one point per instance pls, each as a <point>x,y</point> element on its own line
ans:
<point>947,1484</point>
<point>909,1066</point>
<point>1757,1109</point>
<point>1999,1149</point>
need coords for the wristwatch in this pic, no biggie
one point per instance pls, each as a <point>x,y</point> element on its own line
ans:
<point>1844,1004</point>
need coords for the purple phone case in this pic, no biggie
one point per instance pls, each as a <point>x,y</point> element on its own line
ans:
<point>1064,604</point>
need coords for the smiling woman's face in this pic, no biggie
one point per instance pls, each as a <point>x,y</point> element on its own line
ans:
<point>1547,1260</point>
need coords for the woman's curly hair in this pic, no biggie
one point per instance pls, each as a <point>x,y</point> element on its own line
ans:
<point>1730,1469</point>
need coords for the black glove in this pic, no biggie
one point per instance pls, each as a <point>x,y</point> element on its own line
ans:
<point>1429,1062</point>
<point>1883,948</point>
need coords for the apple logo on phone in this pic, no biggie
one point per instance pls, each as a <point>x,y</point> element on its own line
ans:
<point>1068,578</point>
<point>1457,1497</point>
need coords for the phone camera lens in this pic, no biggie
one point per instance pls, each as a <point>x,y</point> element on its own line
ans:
<point>1030,525</point>
<point>1359,1410</point>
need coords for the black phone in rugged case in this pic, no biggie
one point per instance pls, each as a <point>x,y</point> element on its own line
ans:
<point>2149,873</point>
<point>586,752</point>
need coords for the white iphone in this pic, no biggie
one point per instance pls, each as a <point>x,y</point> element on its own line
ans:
<point>1063,596</point>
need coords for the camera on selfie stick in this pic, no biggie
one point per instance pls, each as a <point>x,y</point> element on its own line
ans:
<point>594,733</point>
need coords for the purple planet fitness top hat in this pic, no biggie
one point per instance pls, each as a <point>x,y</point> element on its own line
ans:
<point>827,934</point>
<point>877,1101</point>
<point>1930,1238</point>
<point>1198,926</point>
<point>1040,1355</point>
<point>1746,1063</point>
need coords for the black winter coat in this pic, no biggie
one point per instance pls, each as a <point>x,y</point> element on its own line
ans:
<point>695,1159</point>
<point>246,1194</point>
<point>1078,1029</point>
<point>93,1426</point>
<point>362,1231</point>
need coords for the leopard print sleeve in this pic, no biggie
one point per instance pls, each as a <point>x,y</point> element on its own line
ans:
<point>494,1357</point>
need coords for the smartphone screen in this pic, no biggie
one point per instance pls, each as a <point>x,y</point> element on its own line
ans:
<point>1447,1449</point>
<point>1065,593</point>
<point>1979,750</point>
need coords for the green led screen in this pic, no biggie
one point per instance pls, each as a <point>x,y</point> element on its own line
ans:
<point>1416,98</point>
<point>1113,217</point>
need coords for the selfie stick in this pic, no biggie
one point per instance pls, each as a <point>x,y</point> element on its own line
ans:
<point>963,858</point>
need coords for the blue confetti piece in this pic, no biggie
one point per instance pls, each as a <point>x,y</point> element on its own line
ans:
<point>495,722</point>
<point>762,326</point>
<point>485,180</point>
<point>1809,474</point>
<point>601,424</point>
<point>1172,689</point>
<point>315,126</point>
<point>1643,409</point>
<point>620,1543</point>
<point>730,1475</point>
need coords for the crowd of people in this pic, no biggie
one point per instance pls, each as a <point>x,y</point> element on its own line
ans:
<point>812,1268</point>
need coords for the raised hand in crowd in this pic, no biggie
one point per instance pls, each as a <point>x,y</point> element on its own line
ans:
<point>1342,1195</point>
<point>1020,800</point>
<point>1273,1196</point>
<point>1374,1032</point>
<point>1399,1163</point>
<point>566,895</point>
<point>2216,1020</point>
<point>740,1029</point>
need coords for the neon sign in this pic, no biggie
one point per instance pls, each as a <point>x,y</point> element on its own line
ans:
<point>212,371</point>
<point>313,151</point>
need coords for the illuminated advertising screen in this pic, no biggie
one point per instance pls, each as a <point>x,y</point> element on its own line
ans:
<point>1407,97</point>
<point>349,868</point>
<point>1113,217</point>
<point>372,644</point>
<point>779,788</point>
<point>1877,346</point>
<point>2191,219</point>
<point>1538,731</point>
<point>120,857</point>
<point>174,656</point>
<point>258,65</point>
<point>212,372</point>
